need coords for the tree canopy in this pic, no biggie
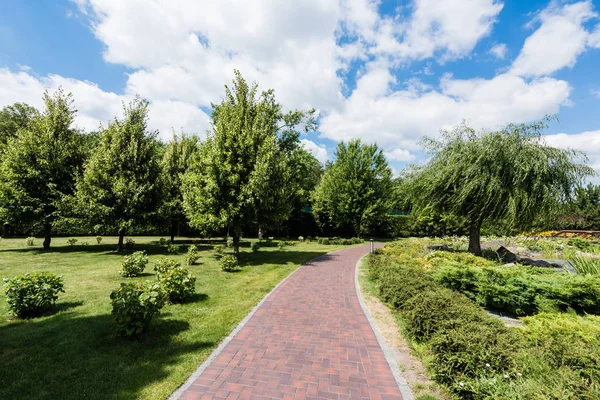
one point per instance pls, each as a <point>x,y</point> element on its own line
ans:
<point>508,176</point>
<point>40,164</point>
<point>242,173</point>
<point>13,118</point>
<point>356,189</point>
<point>122,182</point>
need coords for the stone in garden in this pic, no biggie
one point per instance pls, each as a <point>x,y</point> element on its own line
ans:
<point>506,255</point>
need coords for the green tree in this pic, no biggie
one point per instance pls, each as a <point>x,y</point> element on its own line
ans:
<point>39,166</point>
<point>356,190</point>
<point>176,160</point>
<point>508,177</point>
<point>15,117</point>
<point>122,182</point>
<point>239,176</point>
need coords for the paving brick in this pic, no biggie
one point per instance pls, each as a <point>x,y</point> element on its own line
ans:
<point>309,339</point>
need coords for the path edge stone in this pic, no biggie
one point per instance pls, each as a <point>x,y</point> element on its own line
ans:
<point>192,378</point>
<point>387,351</point>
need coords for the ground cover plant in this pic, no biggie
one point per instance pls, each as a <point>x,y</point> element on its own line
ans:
<point>81,335</point>
<point>438,297</point>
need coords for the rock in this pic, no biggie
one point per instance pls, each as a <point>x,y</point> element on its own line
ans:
<point>506,255</point>
<point>535,263</point>
<point>439,247</point>
<point>557,265</point>
<point>509,265</point>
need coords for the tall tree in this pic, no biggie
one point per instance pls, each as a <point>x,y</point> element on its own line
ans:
<point>239,176</point>
<point>40,164</point>
<point>356,190</point>
<point>176,160</point>
<point>122,182</point>
<point>509,176</point>
<point>13,118</point>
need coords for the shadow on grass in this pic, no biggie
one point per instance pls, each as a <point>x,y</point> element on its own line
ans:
<point>280,257</point>
<point>70,357</point>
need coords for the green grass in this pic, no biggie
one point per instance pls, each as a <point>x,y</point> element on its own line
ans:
<point>75,353</point>
<point>585,265</point>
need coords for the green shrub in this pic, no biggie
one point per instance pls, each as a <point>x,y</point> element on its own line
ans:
<point>338,241</point>
<point>134,264</point>
<point>581,244</point>
<point>301,238</point>
<point>290,243</point>
<point>173,249</point>
<point>442,258</point>
<point>72,241</point>
<point>129,243</point>
<point>33,293</point>
<point>98,239</point>
<point>192,256</point>
<point>134,306</point>
<point>255,246</point>
<point>281,245</point>
<point>229,242</point>
<point>162,241</point>
<point>178,283</point>
<point>30,241</point>
<point>162,265</point>
<point>228,263</point>
<point>219,248</point>
<point>323,241</point>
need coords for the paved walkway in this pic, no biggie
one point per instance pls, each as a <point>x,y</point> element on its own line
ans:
<point>309,340</point>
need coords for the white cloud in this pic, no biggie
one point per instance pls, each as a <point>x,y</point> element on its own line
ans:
<point>499,51</point>
<point>401,155</point>
<point>557,43</point>
<point>318,151</point>
<point>95,106</point>
<point>403,117</point>
<point>588,142</point>
<point>594,38</point>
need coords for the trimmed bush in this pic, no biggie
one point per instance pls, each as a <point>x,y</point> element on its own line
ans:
<point>72,241</point>
<point>173,249</point>
<point>129,243</point>
<point>30,241</point>
<point>229,242</point>
<point>255,246</point>
<point>162,241</point>
<point>228,263</point>
<point>98,239</point>
<point>134,264</point>
<point>32,294</point>
<point>178,283</point>
<point>162,265</point>
<point>338,241</point>
<point>220,248</point>
<point>134,306</point>
<point>192,255</point>
<point>281,245</point>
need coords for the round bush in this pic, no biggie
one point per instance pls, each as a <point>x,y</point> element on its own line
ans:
<point>255,246</point>
<point>179,284</point>
<point>32,294</point>
<point>134,264</point>
<point>229,242</point>
<point>219,248</point>
<point>98,239</point>
<point>173,249</point>
<point>192,255</point>
<point>134,306</point>
<point>162,265</point>
<point>228,263</point>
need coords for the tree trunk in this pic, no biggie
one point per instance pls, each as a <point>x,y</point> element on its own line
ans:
<point>475,238</point>
<point>120,246</point>
<point>173,229</point>
<point>236,244</point>
<point>47,236</point>
<point>5,233</point>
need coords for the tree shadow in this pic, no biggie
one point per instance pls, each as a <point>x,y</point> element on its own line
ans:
<point>72,357</point>
<point>282,257</point>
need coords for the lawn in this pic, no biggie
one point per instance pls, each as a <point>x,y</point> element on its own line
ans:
<point>75,353</point>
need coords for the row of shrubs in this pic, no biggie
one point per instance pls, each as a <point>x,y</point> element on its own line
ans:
<point>474,355</point>
<point>339,241</point>
<point>521,290</point>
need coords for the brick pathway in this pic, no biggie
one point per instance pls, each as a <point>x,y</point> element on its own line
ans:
<point>309,340</point>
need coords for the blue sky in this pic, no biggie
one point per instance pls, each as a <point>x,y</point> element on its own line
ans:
<point>383,71</point>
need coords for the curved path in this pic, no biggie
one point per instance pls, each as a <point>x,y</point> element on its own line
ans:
<point>309,339</point>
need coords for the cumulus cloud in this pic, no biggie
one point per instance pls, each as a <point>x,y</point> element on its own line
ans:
<point>559,40</point>
<point>400,155</point>
<point>499,51</point>
<point>587,142</point>
<point>404,116</point>
<point>318,151</point>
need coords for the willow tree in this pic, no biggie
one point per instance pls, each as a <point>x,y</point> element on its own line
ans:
<point>356,190</point>
<point>240,176</point>
<point>509,176</point>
